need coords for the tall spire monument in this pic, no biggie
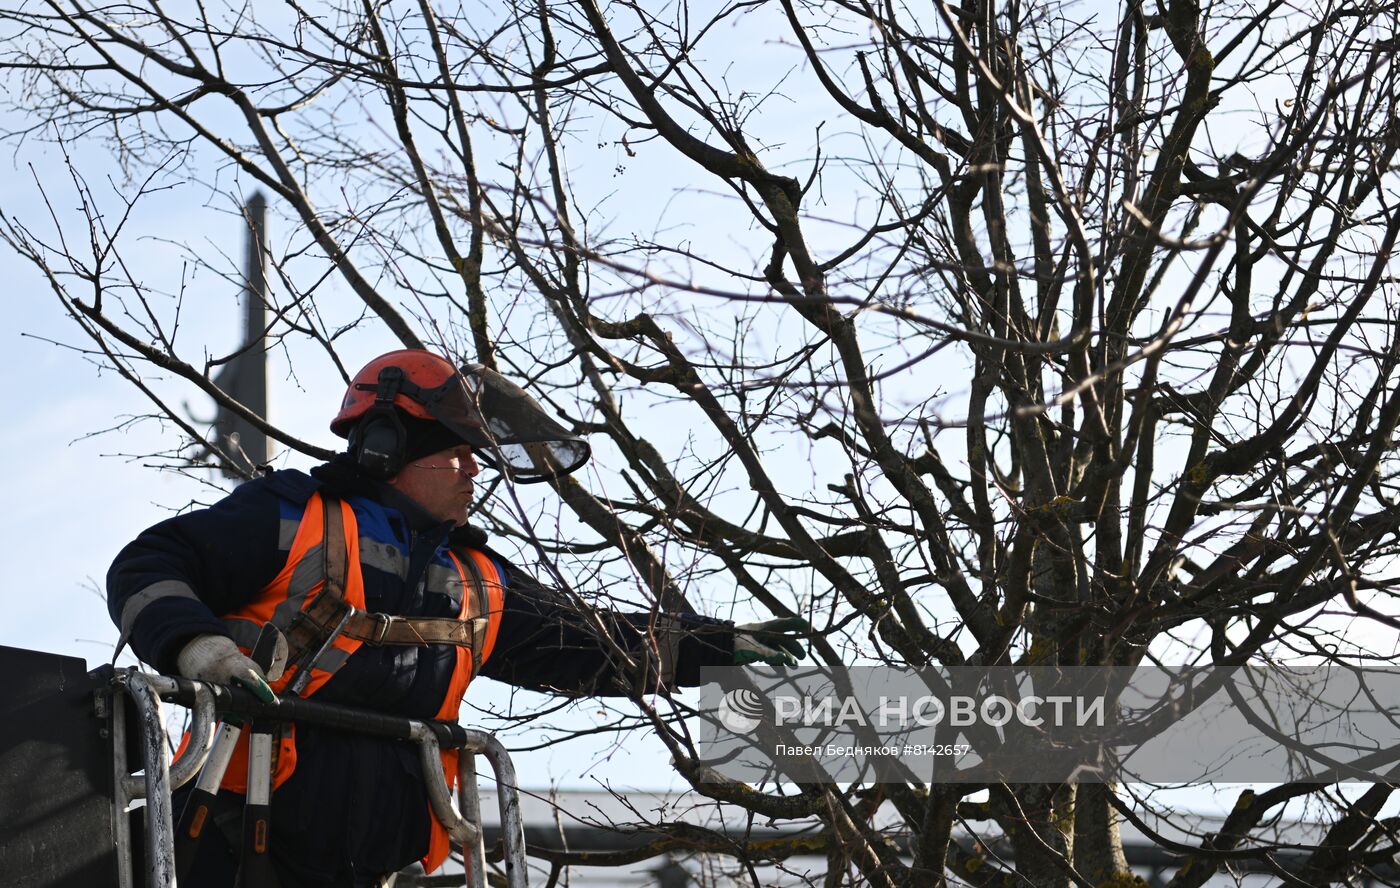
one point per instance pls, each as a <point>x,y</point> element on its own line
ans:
<point>244,377</point>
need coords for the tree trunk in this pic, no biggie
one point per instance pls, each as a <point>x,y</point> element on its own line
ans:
<point>1098,848</point>
<point>1041,832</point>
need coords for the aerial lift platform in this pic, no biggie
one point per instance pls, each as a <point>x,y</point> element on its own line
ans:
<point>86,773</point>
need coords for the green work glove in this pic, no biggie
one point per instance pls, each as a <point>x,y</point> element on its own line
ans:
<point>774,642</point>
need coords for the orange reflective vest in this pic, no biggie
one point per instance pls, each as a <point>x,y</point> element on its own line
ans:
<point>312,560</point>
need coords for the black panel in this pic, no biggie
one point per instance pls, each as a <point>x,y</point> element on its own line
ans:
<point>55,774</point>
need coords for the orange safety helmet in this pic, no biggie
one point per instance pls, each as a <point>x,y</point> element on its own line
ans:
<point>506,428</point>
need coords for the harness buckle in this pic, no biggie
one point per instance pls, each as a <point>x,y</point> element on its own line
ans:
<point>382,622</point>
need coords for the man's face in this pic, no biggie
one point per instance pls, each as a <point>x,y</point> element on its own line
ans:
<point>441,482</point>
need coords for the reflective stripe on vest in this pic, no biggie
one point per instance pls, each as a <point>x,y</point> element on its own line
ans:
<point>478,591</point>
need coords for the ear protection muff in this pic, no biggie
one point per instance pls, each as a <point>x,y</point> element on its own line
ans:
<point>378,441</point>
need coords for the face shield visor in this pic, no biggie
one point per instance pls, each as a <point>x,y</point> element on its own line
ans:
<point>507,429</point>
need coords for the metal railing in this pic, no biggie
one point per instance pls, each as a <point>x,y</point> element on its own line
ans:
<point>210,703</point>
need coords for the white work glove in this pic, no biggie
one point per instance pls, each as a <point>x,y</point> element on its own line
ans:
<point>774,642</point>
<point>217,660</point>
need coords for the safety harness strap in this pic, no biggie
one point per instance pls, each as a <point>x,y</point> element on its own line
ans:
<point>483,608</point>
<point>314,626</point>
<point>329,615</point>
<point>385,629</point>
<point>333,549</point>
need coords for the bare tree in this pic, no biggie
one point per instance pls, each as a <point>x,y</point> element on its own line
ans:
<point>978,333</point>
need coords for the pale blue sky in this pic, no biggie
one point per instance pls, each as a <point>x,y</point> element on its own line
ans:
<point>73,503</point>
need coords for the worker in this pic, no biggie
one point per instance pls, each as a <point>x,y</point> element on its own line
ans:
<point>387,599</point>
